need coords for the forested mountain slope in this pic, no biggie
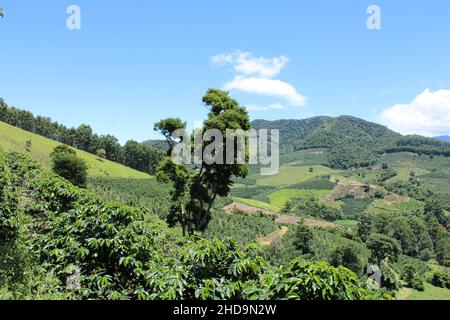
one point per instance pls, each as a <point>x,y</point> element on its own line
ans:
<point>353,142</point>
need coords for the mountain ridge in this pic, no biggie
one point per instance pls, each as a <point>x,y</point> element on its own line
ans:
<point>443,138</point>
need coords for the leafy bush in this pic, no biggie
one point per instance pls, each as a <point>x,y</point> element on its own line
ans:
<point>418,284</point>
<point>303,238</point>
<point>441,279</point>
<point>409,274</point>
<point>69,166</point>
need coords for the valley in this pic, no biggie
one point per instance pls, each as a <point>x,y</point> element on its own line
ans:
<point>322,206</point>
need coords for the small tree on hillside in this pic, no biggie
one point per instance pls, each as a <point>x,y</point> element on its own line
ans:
<point>28,145</point>
<point>66,164</point>
<point>303,238</point>
<point>101,153</point>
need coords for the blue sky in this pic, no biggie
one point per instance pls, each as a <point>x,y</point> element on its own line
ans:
<point>135,62</point>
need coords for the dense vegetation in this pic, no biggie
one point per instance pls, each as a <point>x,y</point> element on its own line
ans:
<point>110,239</point>
<point>59,241</point>
<point>66,164</point>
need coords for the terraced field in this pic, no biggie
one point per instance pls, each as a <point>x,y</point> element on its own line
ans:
<point>258,204</point>
<point>280,197</point>
<point>290,175</point>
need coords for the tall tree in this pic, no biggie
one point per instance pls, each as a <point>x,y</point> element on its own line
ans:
<point>196,188</point>
<point>84,137</point>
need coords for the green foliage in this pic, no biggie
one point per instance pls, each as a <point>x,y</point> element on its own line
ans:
<point>350,156</point>
<point>411,232</point>
<point>196,189</point>
<point>167,127</point>
<point>256,192</point>
<point>141,157</point>
<point>8,204</point>
<point>409,275</point>
<point>303,238</point>
<point>351,257</point>
<point>66,164</point>
<point>319,183</point>
<point>434,210</point>
<point>442,248</point>
<point>352,142</point>
<point>354,208</point>
<point>311,208</point>
<point>124,253</point>
<point>383,247</point>
<point>441,279</point>
<point>62,148</point>
<point>244,228</point>
<point>148,193</point>
<point>418,284</point>
<point>420,145</point>
<point>387,174</point>
<point>306,280</point>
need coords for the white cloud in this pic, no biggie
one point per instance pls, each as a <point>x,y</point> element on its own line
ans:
<point>274,106</point>
<point>428,114</point>
<point>246,64</point>
<point>255,75</point>
<point>269,87</point>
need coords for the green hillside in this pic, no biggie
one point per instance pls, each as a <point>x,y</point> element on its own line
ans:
<point>327,132</point>
<point>352,142</point>
<point>15,139</point>
<point>62,242</point>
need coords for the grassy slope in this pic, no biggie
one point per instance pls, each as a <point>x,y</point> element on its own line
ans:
<point>430,293</point>
<point>289,175</point>
<point>258,204</point>
<point>14,139</point>
<point>280,197</point>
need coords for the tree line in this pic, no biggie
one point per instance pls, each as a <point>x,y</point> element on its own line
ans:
<point>133,154</point>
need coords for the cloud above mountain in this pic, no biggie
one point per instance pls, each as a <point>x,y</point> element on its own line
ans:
<point>255,75</point>
<point>428,114</point>
<point>245,63</point>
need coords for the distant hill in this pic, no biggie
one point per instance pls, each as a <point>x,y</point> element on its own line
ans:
<point>160,144</point>
<point>327,132</point>
<point>443,138</point>
<point>352,141</point>
<point>14,139</point>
